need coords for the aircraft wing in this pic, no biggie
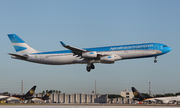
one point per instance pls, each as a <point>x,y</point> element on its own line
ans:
<point>4,97</point>
<point>80,52</point>
<point>164,100</point>
<point>73,49</point>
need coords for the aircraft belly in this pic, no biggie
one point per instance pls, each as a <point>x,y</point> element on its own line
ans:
<point>136,53</point>
<point>66,59</point>
<point>69,58</point>
<point>52,59</point>
<point>36,99</point>
<point>125,54</point>
<point>131,54</point>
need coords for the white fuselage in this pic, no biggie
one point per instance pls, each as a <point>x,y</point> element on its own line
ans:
<point>70,58</point>
<point>3,97</point>
<point>37,99</point>
<point>12,98</point>
<point>164,100</point>
<point>107,54</point>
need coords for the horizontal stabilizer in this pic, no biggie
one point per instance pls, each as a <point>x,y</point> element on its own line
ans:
<point>24,57</point>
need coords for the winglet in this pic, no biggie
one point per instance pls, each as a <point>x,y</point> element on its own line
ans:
<point>62,43</point>
<point>73,49</point>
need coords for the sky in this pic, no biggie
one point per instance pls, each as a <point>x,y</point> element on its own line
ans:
<point>90,23</point>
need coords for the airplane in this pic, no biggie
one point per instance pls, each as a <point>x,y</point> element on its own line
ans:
<point>4,96</point>
<point>165,100</point>
<point>89,56</point>
<point>27,96</point>
<point>44,98</point>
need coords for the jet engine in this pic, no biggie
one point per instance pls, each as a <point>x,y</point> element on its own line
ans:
<point>165,101</point>
<point>89,55</point>
<point>109,59</point>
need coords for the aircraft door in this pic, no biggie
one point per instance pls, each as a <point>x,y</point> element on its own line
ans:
<point>156,47</point>
<point>41,56</point>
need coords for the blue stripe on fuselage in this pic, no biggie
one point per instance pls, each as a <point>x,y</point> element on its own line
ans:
<point>143,46</point>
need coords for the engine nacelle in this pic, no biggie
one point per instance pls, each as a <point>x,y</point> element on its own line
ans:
<point>165,101</point>
<point>110,59</point>
<point>107,59</point>
<point>89,55</point>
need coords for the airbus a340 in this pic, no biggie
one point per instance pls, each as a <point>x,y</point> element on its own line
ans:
<point>89,56</point>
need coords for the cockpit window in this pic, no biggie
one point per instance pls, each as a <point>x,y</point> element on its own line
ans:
<point>165,46</point>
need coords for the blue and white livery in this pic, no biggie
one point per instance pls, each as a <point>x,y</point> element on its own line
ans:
<point>89,56</point>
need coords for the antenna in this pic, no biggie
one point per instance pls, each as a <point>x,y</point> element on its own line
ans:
<point>150,88</point>
<point>22,87</point>
<point>164,92</point>
<point>95,88</point>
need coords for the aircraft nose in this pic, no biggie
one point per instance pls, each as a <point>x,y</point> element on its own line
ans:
<point>166,49</point>
<point>169,49</point>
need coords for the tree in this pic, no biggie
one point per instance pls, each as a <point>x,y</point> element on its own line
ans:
<point>46,91</point>
<point>145,94</point>
<point>5,93</point>
<point>159,95</point>
<point>178,93</point>
<point>59,92</point>
<point>43,92</point>
<point>53,91</point>
<point>169,94</point>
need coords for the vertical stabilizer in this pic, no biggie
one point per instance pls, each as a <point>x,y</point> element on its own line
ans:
<point>20,46</point>
<point>46,97</point>
<point>137,95</point>
<point>30,92</point>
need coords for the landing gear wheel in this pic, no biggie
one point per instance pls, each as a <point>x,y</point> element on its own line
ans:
<point>92,66</point>
<point>155,61</point>
<point>88,68</point>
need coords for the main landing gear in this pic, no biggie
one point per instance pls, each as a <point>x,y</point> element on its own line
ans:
<point>90,66</point>
<point>155,60</point>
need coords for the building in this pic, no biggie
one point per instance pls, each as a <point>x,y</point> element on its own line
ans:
<point>127,94</point>
<point>81,99</point>
<point>76,98</point>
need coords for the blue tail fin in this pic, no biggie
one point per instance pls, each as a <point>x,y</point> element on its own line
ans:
<point>20,46</point>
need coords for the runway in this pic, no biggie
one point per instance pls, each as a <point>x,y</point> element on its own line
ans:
<point>74,106</point>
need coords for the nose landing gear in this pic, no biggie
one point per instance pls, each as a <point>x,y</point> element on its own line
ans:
<point>90,66</point>
<point>155,61</point>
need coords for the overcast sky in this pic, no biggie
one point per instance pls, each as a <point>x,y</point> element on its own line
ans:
<point>90,23</point>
